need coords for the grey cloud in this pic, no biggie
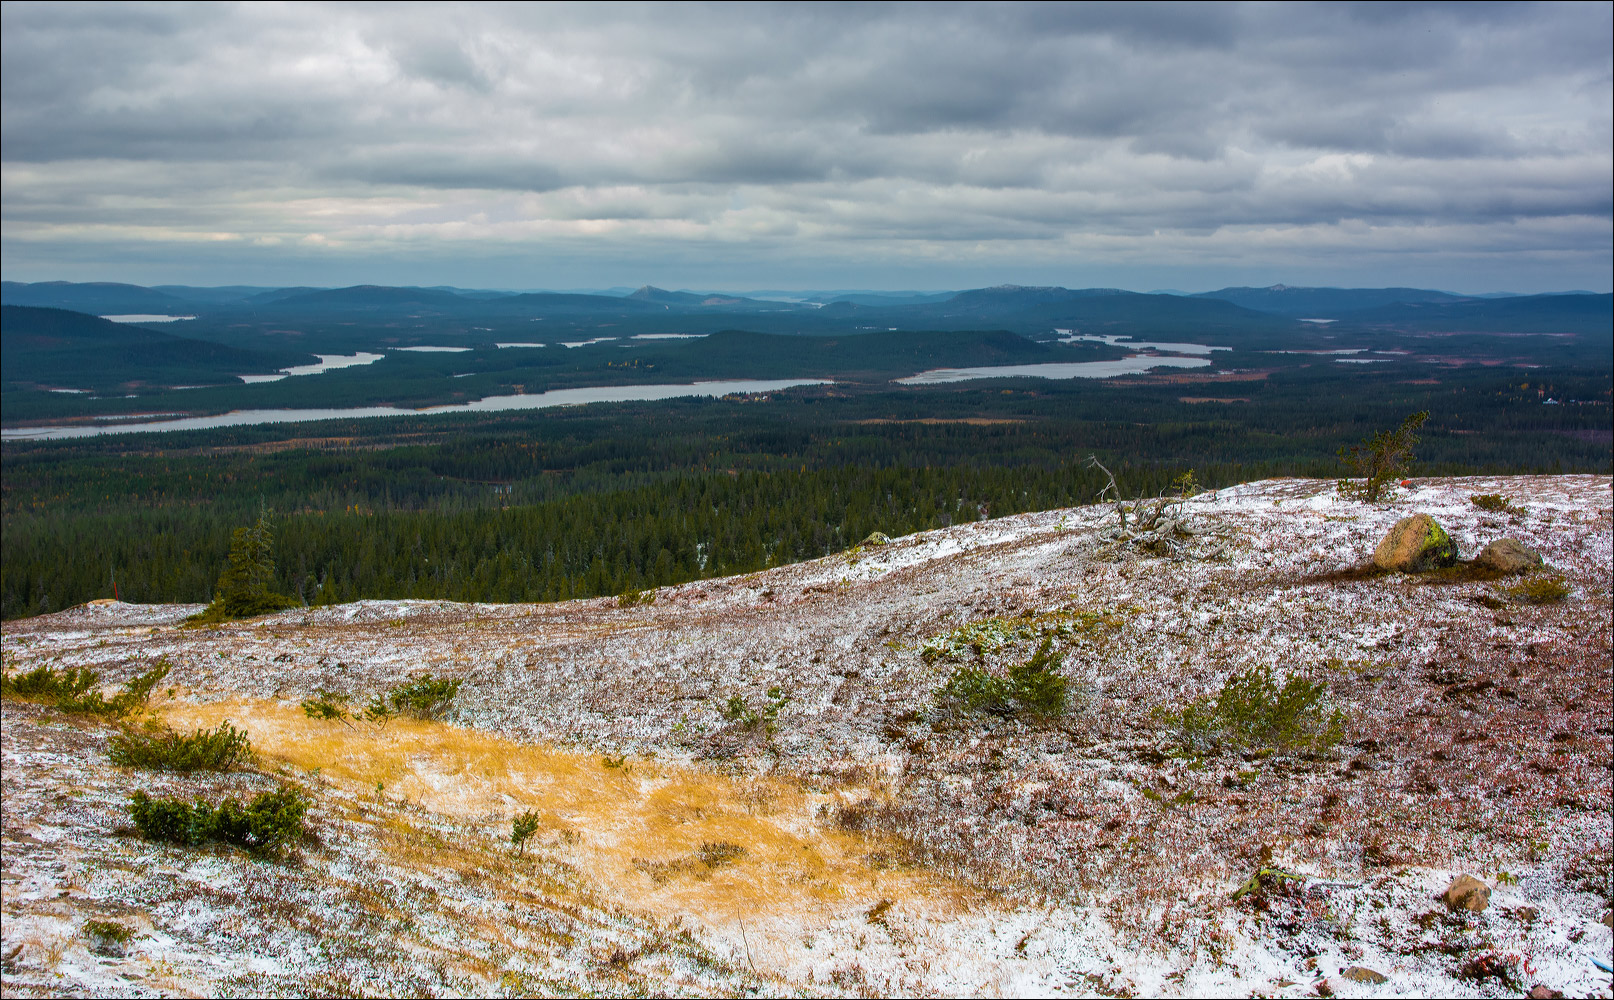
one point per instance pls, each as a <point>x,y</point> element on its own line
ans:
<point>901,128</point>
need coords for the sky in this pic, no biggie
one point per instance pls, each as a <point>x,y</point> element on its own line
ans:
<point>927,146</point>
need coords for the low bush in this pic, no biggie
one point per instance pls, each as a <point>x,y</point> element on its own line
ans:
<point>632,598</point>
<point>1031,688</point>
<point>1545,588</point>
<point>264,826</point>
<point>737,711</point>
<point>425,697</point>
<point>327,706</point>
<point>1253,711</point>
<point>166,750</point>
<point>1494,503</point>
<point>73,690</point>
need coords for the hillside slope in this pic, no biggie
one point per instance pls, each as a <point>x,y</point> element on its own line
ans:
<point>868,840</point>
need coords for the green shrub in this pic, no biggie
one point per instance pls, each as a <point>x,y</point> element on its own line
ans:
<point>737,711</point>
<point>1494,503</point>
<point>1031,688</point>
<point>264,826</point>
<point>166,750</point>
<point>630,598</point>
<point>327,706</point>
<point>44,684</point>
<point>1537,589</point>
<point>73,690</point>
<point>1253,711</point>
<point>424,697</point>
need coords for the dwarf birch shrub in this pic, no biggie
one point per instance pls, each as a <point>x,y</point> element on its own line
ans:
<point>1031,688</point>
<point>264,826</point>
<point>1252,711</point>
<point>73,690</point>
<point>166,750</point>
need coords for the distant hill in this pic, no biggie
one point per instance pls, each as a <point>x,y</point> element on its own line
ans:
<point>705,300</point>
<point>100,298</point>
<point>56,348</point>
<point>1036,310</point>
<point>1322,303</point>
<point>215,295</point>
<point>1591,315</point>
<point>368,298</point>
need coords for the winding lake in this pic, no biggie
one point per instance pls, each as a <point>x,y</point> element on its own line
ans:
<point>492,404</point>
<point>1134,365</point>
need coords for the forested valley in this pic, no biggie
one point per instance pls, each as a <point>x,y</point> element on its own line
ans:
<point>617,498</point>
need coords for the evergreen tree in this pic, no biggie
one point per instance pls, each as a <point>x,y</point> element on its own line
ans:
<point>243,589</point>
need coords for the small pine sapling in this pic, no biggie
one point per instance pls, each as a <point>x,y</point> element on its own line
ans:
<point>521,830</point>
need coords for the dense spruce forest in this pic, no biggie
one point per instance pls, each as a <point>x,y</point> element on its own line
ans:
<point>610,498</point>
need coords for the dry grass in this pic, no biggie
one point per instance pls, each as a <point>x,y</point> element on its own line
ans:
<point>641,833</point>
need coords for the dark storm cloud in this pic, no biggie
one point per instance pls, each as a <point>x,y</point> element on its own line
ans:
<point>807,132</point>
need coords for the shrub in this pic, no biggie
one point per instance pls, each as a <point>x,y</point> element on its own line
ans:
<point>264,826</point>
<point>1381,459</point>
<point>1494,503</point>
<point>716,854</point>
<point>73,690</point>
<point>166,750</point>
<point>44,684</point>
<point>630,598</point>
<point>327,706</point>
<point>737,711</point>
<point>1252,710</point>
<point>1540,589</point>
<point>1032,688</point>
<point>107,937</point>
<point>424,697</point>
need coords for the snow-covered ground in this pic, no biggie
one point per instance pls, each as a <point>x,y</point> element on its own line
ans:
<point>887,846</point>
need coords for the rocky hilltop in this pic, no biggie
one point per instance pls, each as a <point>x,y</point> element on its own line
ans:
<point>1215,751</point>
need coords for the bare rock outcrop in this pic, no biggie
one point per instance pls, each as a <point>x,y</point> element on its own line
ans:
<point>1466,893</point>
<point>1508,555</point>
<point>1416,544</point>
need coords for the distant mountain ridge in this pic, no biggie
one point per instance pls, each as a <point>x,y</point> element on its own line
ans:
<point>1286,300</point>
<point>60,348</point>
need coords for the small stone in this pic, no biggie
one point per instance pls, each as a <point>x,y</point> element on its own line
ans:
<point>1415,545</point>
<point>1545,993</point>
<point>1608,918</point>
<point>1526,914</point>
<point>1507,555</point>
<point>1466,893</point>
<point>1362,974</point>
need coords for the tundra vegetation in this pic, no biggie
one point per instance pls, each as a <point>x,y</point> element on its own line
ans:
<point>161,748</point>
<point>74,690</point>
<point>267,825</point>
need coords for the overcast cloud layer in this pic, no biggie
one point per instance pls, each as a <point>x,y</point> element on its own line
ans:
<point>863,146</point>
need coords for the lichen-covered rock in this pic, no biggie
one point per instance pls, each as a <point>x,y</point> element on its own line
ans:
<point>1362,974</point>
<point>1466,893</point>
<point>1508,555</point>
<point>1415,545</point>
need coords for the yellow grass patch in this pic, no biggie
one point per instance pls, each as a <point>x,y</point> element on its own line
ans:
<point>658,838</point>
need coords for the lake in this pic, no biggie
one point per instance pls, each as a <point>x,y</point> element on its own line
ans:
<point>492,404</point>
<point>1067,369</point>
